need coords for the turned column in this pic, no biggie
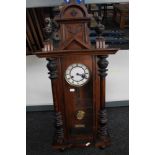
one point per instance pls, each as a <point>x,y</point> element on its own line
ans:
<point>102,65</point>
<point>53,75</point>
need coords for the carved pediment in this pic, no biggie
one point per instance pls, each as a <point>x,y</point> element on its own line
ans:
<point>73,12</point>
<point>74,44</point>
<point>74,32</point>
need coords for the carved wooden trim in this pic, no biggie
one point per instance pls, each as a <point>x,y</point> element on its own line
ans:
<point>59,136</point>
<point>59,139</point>
<point>103,129</point>
<point>73,5</point>
<point>103,64</point>
<point>103,120</point>
<point>59,53</point>
<point>74,31</point>
<point>85,46</point>
<point>52,67</point>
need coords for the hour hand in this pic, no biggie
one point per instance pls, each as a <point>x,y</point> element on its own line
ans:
<point>82,75</point>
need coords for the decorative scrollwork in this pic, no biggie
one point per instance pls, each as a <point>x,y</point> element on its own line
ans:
<point>59,128</point>
<point>80,115</point>
<point>51,29</point>
<point>52,67</point>
<point>103,64</point>
<point>73,12</point>
<point>103,131</point>
<point>100,27</point>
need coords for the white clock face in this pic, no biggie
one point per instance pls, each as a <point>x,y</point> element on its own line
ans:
<point>77,75</point>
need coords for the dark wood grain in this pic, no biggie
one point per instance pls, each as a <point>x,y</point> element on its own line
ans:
<point>103,134</point>
<point>95,52</point>
<point>89,99</point>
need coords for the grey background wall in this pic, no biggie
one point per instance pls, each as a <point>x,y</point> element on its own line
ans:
<point>38,86</point>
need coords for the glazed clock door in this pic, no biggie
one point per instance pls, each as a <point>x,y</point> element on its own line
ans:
<point>78,93</point>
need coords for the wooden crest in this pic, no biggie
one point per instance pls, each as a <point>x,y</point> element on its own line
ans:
<point>74,32</point>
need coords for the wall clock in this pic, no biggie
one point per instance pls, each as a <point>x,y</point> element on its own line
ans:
<point>77,72</point>
<point>77,75</point>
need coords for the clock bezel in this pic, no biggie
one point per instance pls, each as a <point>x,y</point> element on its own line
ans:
<point>71,84</point>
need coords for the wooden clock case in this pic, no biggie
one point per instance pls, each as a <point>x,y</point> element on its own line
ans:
<point>80,114</point>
